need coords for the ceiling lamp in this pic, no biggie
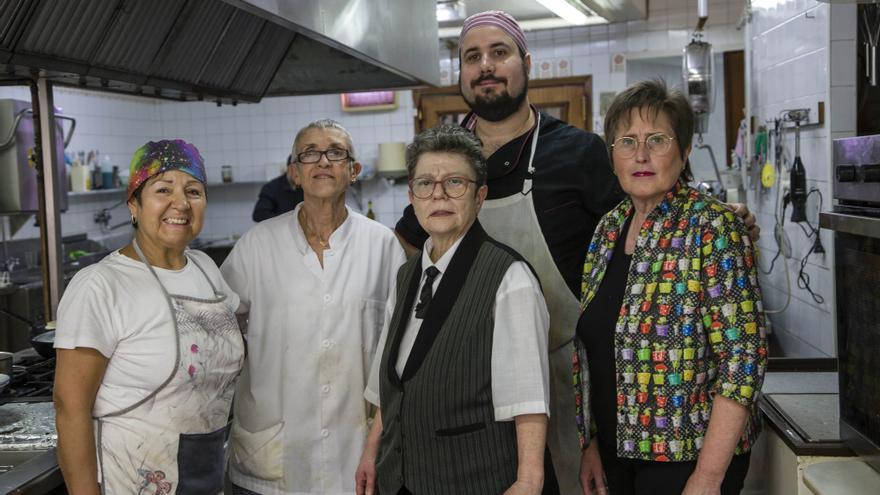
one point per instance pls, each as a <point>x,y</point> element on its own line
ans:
<point>572,11</point>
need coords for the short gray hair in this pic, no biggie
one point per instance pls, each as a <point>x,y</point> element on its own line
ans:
<point>324,124</point>
<point>448,138</point>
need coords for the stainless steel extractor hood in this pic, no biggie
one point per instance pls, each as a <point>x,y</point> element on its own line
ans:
<point>225,50</point>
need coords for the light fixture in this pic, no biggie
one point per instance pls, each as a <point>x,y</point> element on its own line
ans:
<point>573,12</point>
<point>451,10</point>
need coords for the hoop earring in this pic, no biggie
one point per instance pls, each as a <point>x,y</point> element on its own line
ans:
<point>134,220</point>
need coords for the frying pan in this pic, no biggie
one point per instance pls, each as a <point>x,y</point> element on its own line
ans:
<point>42,336</point>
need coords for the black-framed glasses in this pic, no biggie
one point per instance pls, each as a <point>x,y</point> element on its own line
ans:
<point>453,187</point>
<point>657,144</point>
<point>314,156</point>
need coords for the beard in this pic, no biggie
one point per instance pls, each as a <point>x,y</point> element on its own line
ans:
<point>496,108</point>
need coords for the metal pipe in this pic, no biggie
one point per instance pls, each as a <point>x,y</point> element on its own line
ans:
<point>708,148</point>
<point>702,13</point>
<point>49,195</point>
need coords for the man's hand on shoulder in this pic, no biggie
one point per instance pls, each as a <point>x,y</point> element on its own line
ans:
<point>742,211</point>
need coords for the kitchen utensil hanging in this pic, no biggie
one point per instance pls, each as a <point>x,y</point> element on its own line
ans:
<point>869,24</point>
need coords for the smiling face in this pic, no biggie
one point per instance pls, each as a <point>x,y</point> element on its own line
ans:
<point>648,176</point>
<point>442,217</point>
<point>494,77</point>
<point>170,212</point>
<point>324,179</point>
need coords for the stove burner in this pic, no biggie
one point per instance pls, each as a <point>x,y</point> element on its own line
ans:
<point>32,377</point>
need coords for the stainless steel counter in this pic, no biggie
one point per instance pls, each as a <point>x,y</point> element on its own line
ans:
<point>28,463</point>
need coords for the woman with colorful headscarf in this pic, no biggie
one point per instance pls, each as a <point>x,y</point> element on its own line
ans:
<point>148,346</point>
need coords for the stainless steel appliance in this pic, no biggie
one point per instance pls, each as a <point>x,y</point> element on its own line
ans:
<point>18,178</point>
<point>855,220</point>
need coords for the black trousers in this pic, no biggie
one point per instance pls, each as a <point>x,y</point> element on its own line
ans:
<point>631,477</point>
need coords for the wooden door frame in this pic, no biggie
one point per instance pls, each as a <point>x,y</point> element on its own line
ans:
<point>584,81</point>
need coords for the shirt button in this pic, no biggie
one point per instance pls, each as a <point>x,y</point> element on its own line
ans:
<point>327,298</point>
<point>325,388</point>
<point>327,343</point>
<point>325,433</point>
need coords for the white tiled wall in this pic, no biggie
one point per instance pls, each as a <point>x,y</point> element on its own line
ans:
<point>803,52</point>
<point>257,138</point>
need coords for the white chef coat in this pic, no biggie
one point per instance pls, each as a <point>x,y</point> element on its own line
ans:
<point>520,376</point>
<point>300,421</point>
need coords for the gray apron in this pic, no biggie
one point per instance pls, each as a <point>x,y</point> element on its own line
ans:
<point>512,220</point>
<point>172,441</point>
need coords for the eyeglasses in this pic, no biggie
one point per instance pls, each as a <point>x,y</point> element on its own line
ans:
<point>453,187</point>
<point>657,144</point>
<point>314,156</point>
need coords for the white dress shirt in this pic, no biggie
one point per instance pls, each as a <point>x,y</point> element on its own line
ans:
<point>300,421</point>
<point>520,376</point>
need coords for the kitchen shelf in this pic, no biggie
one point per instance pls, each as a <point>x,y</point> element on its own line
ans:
<point>117,190</point>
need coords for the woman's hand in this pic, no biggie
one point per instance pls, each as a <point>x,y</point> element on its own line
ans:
<point>592,474</point>
<point>701,483</point>
<point>365,476</point>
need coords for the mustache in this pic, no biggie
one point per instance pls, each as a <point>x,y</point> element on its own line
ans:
<point>483,79</point>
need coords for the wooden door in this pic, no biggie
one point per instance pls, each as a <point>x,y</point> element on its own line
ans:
<point>568,99</point>
<point>734,97</point>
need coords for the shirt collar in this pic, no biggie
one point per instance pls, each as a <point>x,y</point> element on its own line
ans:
<point>443,263</point>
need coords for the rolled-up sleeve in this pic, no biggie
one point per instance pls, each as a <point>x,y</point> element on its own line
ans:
<point>520,370</point>
<point>733,318</point>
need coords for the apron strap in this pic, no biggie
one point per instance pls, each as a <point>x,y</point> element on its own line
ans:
<point>527,183</point>
<point>165,383</point>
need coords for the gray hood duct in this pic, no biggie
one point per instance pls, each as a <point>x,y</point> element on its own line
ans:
<point>232,50</point>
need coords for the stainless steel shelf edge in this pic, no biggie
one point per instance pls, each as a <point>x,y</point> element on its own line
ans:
<point>36,476</point>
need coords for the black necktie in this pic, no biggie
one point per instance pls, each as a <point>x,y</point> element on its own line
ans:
<point>427,291</point>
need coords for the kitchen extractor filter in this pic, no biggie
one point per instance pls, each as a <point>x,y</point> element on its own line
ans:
<point>697,75</point>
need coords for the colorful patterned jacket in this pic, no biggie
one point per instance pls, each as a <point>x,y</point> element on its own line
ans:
<point>691,326</point>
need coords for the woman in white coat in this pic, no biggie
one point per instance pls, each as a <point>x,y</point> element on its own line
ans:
<point>314,283</point>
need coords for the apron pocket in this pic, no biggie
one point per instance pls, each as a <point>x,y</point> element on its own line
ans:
<point>200,459</point>
<point>259,454</point>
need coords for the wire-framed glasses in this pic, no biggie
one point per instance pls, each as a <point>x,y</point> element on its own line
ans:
<point>453,187</point>
<point>657,144</point>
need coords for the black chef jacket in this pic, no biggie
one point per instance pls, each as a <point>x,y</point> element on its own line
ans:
<point>573,187</point>
<point>276,197</point>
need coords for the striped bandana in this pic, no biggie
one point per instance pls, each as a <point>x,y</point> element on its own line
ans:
<point>499,19</point>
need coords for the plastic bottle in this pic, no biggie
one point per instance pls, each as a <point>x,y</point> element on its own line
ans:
<point>79,177</point>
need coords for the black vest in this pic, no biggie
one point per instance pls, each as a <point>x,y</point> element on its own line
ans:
<point>439,431</point>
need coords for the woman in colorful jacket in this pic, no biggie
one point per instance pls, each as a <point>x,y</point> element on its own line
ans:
<point>672,320</point>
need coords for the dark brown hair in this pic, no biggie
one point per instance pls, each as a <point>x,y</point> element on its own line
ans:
<point>653,97</point>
